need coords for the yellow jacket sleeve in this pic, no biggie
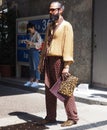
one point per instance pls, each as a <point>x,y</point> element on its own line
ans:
<point>68,43</point>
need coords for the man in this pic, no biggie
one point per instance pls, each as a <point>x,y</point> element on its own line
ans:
<point>58,53</point>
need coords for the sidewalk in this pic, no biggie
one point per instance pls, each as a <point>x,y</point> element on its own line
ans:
<point>22,107</point>
<point>82,93</point>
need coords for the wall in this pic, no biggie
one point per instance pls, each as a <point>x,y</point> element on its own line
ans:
<point>0,2</point>
<point>79,14</point>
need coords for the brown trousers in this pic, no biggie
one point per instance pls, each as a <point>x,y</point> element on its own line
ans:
<point>53,70</point>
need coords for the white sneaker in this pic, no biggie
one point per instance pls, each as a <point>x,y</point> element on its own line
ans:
<point>28,84</point>
<point>34,84</point>
<point>41,84</point>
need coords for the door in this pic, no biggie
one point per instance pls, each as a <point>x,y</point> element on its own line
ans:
<point>99,72</point>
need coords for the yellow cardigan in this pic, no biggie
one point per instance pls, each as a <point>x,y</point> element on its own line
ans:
<point>62,42</point>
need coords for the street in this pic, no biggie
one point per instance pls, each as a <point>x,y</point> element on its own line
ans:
<point>18,106</point>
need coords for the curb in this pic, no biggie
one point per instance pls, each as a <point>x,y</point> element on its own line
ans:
<point>88,99</point>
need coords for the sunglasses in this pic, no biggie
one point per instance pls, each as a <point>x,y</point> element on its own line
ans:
<point>53,9</point>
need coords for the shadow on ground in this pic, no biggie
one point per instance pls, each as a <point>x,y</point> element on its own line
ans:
<point>25,126</point>
<point>8,91</point>
<point>100,95</point>
<point>30,124</point>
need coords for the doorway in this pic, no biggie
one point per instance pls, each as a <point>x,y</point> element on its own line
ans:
<point>99,72</point>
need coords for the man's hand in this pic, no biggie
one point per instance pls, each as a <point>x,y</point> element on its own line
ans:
<point>65,73</point>
<point>65,76</point>
<point>65,70</point>
<point>41,65</point>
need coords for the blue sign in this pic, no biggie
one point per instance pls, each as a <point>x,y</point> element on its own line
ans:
<point>22,55</point>
<point>40,24</point>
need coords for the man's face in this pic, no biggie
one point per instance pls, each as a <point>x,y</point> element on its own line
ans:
<point>54,12</point>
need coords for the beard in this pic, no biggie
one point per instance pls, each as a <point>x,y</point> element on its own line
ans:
<point>54,18</point>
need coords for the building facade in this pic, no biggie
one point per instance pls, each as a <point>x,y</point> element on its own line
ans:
<point>83,15</point>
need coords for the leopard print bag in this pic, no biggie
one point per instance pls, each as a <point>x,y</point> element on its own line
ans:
<point>67,86</point>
